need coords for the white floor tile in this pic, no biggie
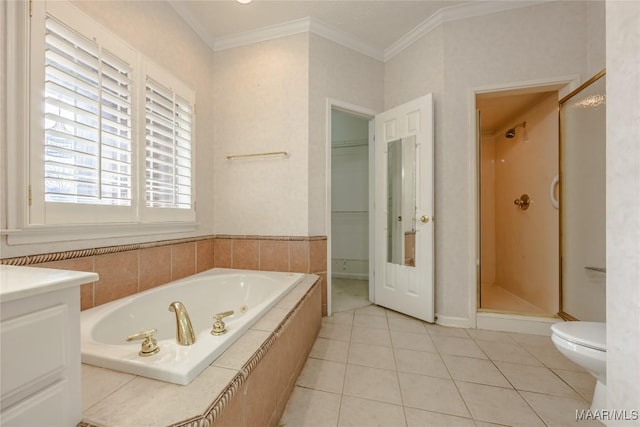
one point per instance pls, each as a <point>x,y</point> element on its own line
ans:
<point>431,394</point>
<point>374,356</point>
<point>472,370</point>
<point>372,366</point>
<point>372,383</point>
<point>412,341</point>
<point>311,408</point>
<point>421,363</point>
<point>536,379</point>
<point>420,418</point>
<point>406,324</point>
<point>549,355</point>
<point>356,412</point>
<point>369,321</point>
<point>581,382</point>
<point>371,336</point>
<point>326,349</point>
<point>458,347</point>
<point>559,411</point>
<point>335,331</point>
<point>372,310</point>
<point>322,375</point>
<point>498,405</point>
<point>505,352</point>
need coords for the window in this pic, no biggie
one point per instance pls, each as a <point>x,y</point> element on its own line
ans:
<point>87,121</point>
<point>111,136</point>
<point>168,148</point>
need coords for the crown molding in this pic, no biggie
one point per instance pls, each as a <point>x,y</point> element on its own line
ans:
<point>307,24</point>
<point>315,26</point>
<point>263,34</point>
<point>321,29</point>
<point>194,23</point>
<point>454,13</point>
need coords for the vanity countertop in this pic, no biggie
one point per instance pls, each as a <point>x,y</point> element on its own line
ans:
<point>19,282</point>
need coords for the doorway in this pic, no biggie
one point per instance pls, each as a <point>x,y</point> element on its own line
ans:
<point>349,210</point>
<point>518,217</point>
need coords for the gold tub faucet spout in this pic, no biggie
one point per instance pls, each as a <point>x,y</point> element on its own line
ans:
<point>184,330</point>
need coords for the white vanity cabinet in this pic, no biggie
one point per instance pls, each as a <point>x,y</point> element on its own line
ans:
<point>40,346</point>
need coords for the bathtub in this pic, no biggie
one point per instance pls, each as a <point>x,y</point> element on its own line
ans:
<point>250,294</point>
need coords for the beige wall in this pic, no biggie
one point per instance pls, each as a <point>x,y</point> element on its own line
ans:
<point>342,74</point>
<point>623,206</point>
<point>542,41</point>
<point>261,104</point>
<point>527,242</point>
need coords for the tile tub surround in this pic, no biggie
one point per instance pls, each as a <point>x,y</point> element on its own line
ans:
<point>248,385</point>
<point>128,269</point>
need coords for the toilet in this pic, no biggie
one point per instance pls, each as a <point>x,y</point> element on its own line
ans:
<point>584,343</point>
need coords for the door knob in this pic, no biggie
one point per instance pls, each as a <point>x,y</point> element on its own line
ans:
<point>424,219</point>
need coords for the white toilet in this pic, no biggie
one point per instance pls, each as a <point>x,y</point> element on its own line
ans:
<point>584,343</point>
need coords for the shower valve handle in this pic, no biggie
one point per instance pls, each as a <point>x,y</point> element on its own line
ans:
<point>523,202</point>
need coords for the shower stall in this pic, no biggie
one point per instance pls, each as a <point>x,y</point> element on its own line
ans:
<point>518,212</point>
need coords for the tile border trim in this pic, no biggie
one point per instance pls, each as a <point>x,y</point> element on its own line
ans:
<point>79,253</point>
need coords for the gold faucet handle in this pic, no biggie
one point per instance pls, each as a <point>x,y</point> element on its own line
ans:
<point>219,328</point>
<point>219,316</point>
<point>149,343</point>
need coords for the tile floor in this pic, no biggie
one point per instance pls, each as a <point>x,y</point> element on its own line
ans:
<point>375,367</point>
<point>347,294</point>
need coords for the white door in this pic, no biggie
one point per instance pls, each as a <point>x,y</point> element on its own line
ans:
<point>404,209</point>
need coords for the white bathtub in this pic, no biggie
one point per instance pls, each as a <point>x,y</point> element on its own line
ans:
<point>250,294</point>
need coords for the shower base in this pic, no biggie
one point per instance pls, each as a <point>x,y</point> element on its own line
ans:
<point>497,298</point>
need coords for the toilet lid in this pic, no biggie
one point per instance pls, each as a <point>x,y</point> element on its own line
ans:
<point>588,334</point>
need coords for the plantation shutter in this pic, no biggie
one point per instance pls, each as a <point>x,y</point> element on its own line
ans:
<point>168,148</point>
<point>87,123</point>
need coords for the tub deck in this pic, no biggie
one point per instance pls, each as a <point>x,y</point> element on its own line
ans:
<point>249,384</point>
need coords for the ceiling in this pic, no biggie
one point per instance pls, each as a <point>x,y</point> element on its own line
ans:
<point>377,24</point>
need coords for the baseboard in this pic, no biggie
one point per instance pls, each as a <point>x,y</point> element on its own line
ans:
<point>355,276</point>
<point>515,323</point>
<point>454,322</point>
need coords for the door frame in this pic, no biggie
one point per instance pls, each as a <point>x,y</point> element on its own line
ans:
<point>367,114</point>
<point>564,85</point>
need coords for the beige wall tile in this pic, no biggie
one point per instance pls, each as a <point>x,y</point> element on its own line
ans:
<point>261,392</point>
<point>86,296</point>
<point>318,256</point>
<point>233,413</point>
<point>183,260</point>
<point>222,249</point>
<point>299,256</point>
<point>246,254</point>
<point>155,267</point>
<point>118,276</point>
<point>204,255</point>
<point>274,255</point>
<point>76,264</point>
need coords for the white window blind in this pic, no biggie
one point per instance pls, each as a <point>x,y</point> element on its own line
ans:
<point>168,162</point>
<point>88,121</point>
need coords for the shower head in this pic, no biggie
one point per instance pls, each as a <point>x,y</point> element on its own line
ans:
<point>512,132</point>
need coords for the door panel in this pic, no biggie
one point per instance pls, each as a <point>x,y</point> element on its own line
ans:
<point>404,230</point>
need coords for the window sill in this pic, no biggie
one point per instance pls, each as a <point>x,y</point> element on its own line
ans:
<point>51,234</point>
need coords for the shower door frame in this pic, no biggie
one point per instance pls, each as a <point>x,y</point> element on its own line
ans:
<point>564,85</point>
